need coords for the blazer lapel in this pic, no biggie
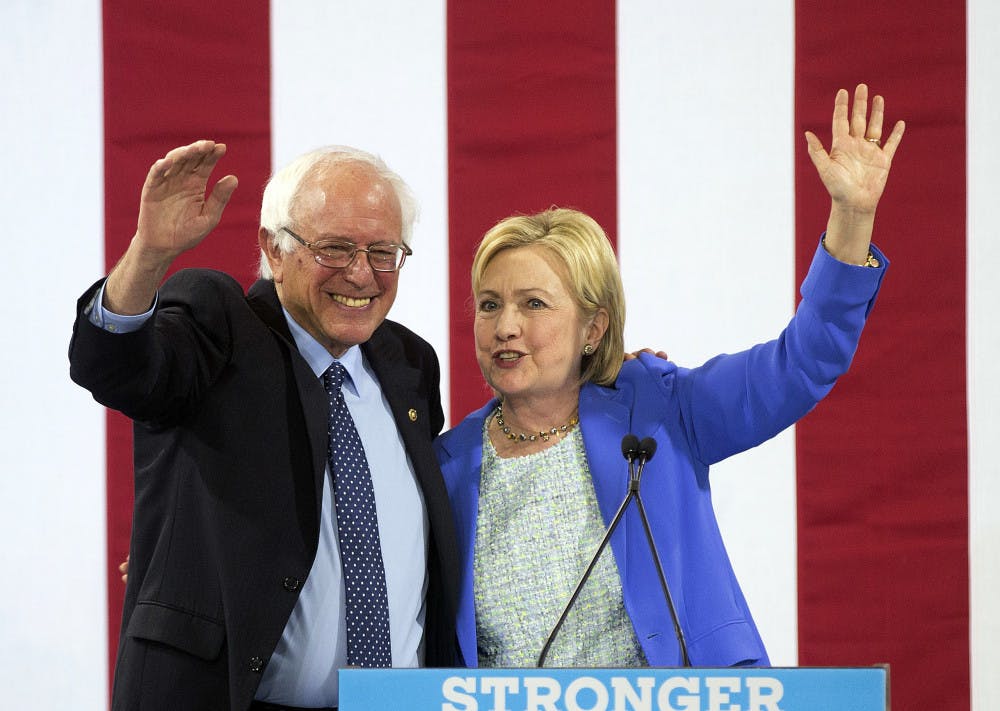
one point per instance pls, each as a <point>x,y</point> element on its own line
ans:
<point>263,299</point>
<point>604,420</point>
<point>461,463</point>
<point>400,383</point>
<point>404,388</point>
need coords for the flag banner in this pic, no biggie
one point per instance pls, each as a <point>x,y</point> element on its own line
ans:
<point>864,535</point>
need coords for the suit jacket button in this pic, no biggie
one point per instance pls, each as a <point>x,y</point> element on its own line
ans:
<point>256,665</point>
<point>291,584</point>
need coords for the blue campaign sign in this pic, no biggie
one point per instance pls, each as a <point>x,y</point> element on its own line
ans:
<point>702,689</point>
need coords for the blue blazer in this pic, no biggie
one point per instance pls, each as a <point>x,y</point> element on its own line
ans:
<point>698,416</point>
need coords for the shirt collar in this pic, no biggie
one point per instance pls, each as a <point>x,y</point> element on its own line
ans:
<point>319,358</point>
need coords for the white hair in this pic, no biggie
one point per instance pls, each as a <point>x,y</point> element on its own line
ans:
<point>282,192</point>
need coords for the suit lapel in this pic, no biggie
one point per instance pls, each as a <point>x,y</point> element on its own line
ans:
<point>400,384</point>
<point>461,462</point>
<point>405,389</point>
<point>263,299</point>
<point>604,420</point>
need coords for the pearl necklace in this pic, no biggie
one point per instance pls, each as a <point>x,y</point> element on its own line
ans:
<point>521,437</point>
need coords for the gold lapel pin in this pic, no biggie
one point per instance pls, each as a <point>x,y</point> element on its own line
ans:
<point>413,415</point>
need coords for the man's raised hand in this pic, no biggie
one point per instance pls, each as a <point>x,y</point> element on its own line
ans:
<point>174,216</point>
<point>174,212</point>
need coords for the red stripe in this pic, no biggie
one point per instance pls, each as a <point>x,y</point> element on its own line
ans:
<point>531,123</point>
<point>882,464</point>
<point>173,73</point>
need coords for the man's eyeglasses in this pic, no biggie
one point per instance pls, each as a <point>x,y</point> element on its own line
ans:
<point>387,257</point>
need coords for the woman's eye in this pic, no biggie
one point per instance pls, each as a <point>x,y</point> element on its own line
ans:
<point>487,305</point>
<point>536,304</point>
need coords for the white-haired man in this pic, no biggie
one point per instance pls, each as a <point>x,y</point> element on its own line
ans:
<point>245,559</point>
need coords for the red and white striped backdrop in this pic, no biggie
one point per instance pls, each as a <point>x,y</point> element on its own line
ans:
<point>869,534</point>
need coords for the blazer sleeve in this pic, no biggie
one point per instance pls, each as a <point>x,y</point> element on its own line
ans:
<point>156,373</point>
<point>735,402</point>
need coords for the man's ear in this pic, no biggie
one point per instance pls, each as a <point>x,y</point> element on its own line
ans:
<point>275,257</point>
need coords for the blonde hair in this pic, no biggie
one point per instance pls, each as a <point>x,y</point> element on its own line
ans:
<point>579,244</point>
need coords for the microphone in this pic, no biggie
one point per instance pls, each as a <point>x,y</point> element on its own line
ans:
<point>647,448</point>
<point>633,450</point>
<point>645,452</point>
<point>630,447</point>
<point>630,450</point>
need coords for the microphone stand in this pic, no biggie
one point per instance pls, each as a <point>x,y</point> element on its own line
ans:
<point>649,445</point>
<point>632,450</point>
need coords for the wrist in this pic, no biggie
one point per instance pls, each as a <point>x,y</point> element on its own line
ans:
<point>144,255</point>
<point>849,233</point>
<point>870,259</point>
<point>132,283</point>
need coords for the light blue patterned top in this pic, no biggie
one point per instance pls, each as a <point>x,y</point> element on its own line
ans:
<point>537,528</point>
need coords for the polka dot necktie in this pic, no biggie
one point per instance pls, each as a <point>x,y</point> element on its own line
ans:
<point>357,528</point>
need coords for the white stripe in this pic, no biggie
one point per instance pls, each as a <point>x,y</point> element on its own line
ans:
<point>52,489</point>
<point>372,75</point>
<point>983,334</point>
<point>705,214</point>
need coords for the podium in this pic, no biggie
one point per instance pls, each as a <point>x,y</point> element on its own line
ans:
<point>647,689</point>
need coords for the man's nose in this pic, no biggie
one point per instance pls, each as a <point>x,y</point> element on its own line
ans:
<point>359,269</point>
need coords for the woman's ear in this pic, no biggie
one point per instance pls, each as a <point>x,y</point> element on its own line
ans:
<point>598,327</point>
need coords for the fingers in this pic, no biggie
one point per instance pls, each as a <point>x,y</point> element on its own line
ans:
<point>859,117</point>
<point>198,157</point>
<point>208,159</point>
<point>635,354</point>
<point>185,171</point>
<point>841,127</point>
<point>817,154</point>
<point>860,125</point>
<point>219,198</point>
<point>892,143</point>
<point>874,125</point>
<point>874,130</point>
<point>813,142</point>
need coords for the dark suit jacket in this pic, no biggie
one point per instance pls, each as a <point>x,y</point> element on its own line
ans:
<point>230,452</point>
